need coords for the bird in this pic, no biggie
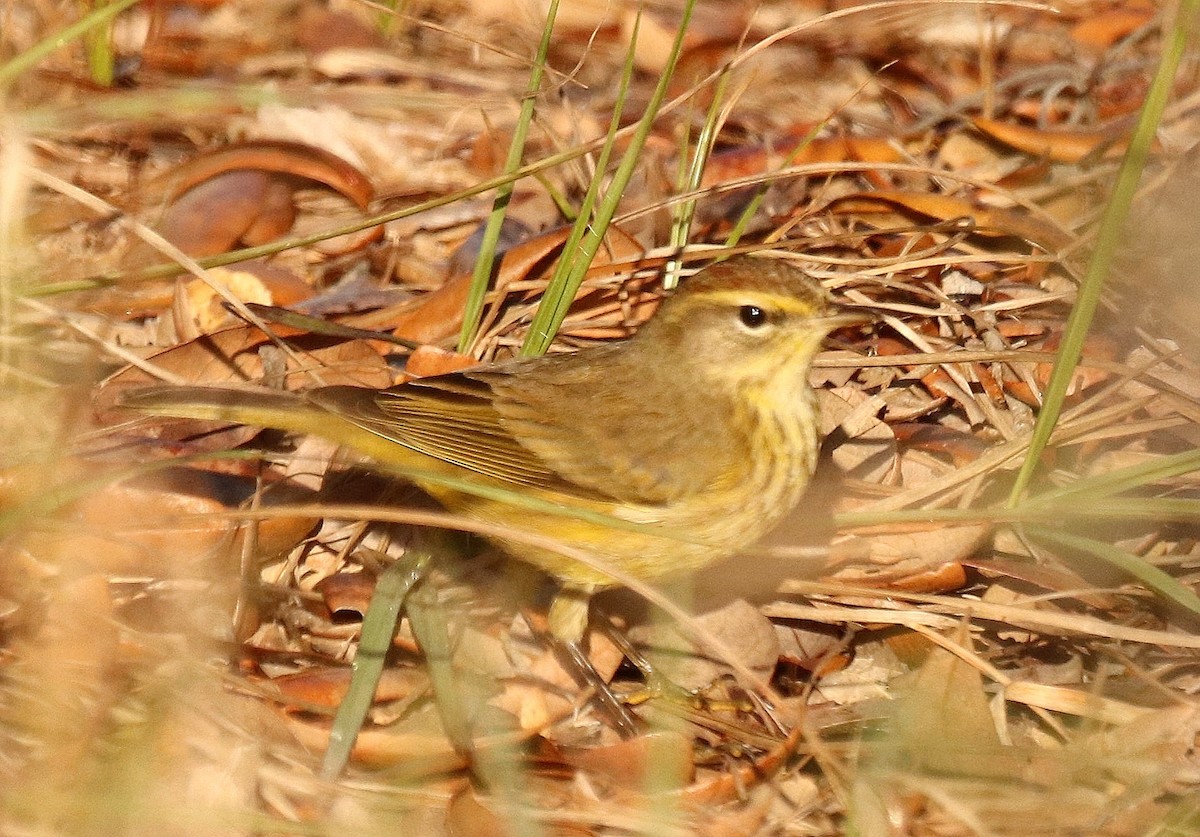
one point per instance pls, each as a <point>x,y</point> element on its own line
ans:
<point>696,435</point>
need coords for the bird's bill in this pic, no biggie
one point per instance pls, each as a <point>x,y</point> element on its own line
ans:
<point>845,317</point>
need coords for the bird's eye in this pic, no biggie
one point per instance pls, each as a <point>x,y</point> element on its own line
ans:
<point>752,316</point>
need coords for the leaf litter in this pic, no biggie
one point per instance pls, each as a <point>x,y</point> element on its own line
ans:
<point>910,654</point>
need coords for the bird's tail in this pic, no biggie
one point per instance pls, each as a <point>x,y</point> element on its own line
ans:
<point>257,407</point>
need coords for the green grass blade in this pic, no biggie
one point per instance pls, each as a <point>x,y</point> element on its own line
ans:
<point>560,285</point>
<point>1155,509</point>
<point>485,262</point>
<point>30,58</point>
<point>497,764</point>
<point>99,47</point>
<point>1158,509</point>
<point>1123,479</point>
<point>681,223</point>
<point>1147,573</point>
<point>379,626</point>
<point>430,628</point>
<point>553,308</point>
<point>1107,239</point>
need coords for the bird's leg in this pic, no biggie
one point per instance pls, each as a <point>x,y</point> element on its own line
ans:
<point>569,613</point>
<point>568,627</point>
<point>657,684</point>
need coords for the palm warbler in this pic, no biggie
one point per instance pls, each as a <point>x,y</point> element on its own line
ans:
<point>702,427</point>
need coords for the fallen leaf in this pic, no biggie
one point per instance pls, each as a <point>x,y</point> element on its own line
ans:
<point>655,33</point>
<point>319,30</point>
<point>539,698</point>
<point>326,686</point>
<point>346,594</point>
<point>66,682</point>
<point>986,221</point>
<point>862,445</point>
<point>654,761</point>
<point>918,557</point>
<point>215,215</point>
<point>468,816</point>
<point>740,625</point>
<point>438,314</point>
<point>199,309</point>
<point>287,158</point>
<point>1101,29</point>
<point>241,195</point>
<point>733,785</point>
<point>1059,146</point>
<point>428,360</point>
<point>1095,347</point>
<point>961,448</point>
<point>942,723</point>
<point>418,742</point>
<point>820,649</point>
<point>747,817</point>
<point>742,162</point>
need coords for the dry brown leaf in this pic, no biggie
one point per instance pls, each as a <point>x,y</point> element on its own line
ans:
<point>866,447</point>
<point>66,681</point>
<point>438,314</point>
<point>943,723</point>
<point>1095,347</point>
<point>742,820</point>
<point>743,162</point>
<point>152,528</point>
<point>1058,145</point>
<point>537,700</point>
<point>319,30</point>
<point>1057,579</point>
<point>987,221</point>
<point>199,309</point>
<point>973,154</point>
<point>241,195</point>
<point>1101,29</point>
<point>287,158</point>
<point>733,785</point>
<point>227,209</point>
<point>961,448</point>
<point>906,402</point>
<point>821,651</point>
<point>418,743</point>
<point>655,35</point>
<point>662,760</point>
<point>740,625</point>
<point>917,558</point>
<point>430,360</point>
<point>130,529</point>
<point>327,687</point>
<point>347,593</point>
<point>430,318</point>
<point>468,816</point>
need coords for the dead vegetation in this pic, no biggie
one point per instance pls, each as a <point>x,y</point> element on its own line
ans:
<point>919,651</point>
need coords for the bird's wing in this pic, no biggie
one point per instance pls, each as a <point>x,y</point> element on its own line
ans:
<point>551,423</point>
<point>649,442</point>
<point>450,418</point>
